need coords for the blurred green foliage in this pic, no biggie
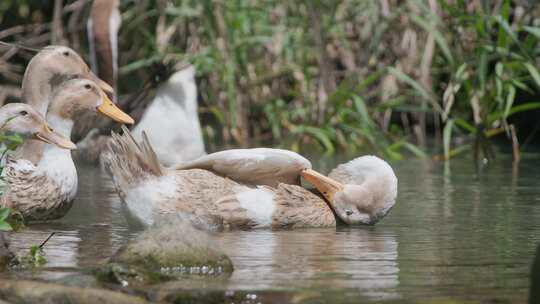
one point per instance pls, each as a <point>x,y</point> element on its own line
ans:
<point>387,77</point>
<point>8,143</point>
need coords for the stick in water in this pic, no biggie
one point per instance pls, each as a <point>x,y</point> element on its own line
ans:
<point>45,242</point>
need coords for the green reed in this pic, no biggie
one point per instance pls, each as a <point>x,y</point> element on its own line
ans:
<point>395,78</point>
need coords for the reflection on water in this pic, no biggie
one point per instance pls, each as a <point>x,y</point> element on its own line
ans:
<point>315,258</point>
<point>454,233</point>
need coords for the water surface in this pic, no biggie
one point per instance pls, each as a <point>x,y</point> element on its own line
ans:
<point>454,234</point>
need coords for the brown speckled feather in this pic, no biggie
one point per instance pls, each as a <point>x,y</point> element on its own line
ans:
<point>34,195</point>
<point>203,193</point>
<point>298,207</point>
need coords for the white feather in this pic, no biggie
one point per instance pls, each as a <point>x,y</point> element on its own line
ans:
<point>140,199</point>
<point>172,121</point>
<point>22,165</point>
<point>56,163</point>
<point>259,204</point>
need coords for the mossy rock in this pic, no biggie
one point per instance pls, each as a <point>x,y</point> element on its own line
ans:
<point>39,292</point>
<point>168,250</point>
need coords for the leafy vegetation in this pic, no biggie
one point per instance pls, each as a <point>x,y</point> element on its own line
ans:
<point>8,219</point>
<point>4,214</point>
<point>387,77</point>
<point>34,258</point>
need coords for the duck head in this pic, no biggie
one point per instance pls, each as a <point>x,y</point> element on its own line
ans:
<point>58,61</point>
<point>361,191</point>
<point>51,67</point>
<point>24,120</point>
<point>79,95</point>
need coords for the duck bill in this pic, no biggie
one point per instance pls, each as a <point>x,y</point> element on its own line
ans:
<point>49,136</point>
<point>101,83</point>
<point>108,109</point>
<point>327,186</point>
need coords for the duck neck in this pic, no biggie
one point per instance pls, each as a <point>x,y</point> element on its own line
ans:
<point>103,26</point>
<point>56,163</point>
<point>34,150</point>
<point>61,125</point>
<point>36,87</point>
<point>53,153</point>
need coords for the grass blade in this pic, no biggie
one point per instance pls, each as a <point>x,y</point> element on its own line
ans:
<point>439,38</point>
<point>534,73</point>
<point>447,136</point>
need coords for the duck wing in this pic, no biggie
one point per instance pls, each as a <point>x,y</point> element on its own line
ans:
<point>261,166</point>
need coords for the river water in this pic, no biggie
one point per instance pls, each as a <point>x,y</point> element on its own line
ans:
<point>455,234</point>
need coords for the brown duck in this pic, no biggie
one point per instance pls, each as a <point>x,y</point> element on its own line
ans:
<point>361,191</point>
<point>45,188</point>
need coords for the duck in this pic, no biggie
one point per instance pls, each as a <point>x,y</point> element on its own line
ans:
<point>51,66</point>
<point>174,108</point>
<point>258,166</point>
<point>25,121</point>
<point>168,103</point>
<point>152,191</point>
<point>45,189</point>
<point>102,28</point>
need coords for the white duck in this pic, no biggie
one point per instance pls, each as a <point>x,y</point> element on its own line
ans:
<point>174,111</point>
<point>174,107</point>
<point>102,27</point>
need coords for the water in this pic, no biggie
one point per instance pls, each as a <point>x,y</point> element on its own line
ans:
<point>454,234</point>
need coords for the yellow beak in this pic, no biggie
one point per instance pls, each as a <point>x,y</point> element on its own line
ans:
<point>108,109</point>
<point>47,135</point>
<point>102,84</point>
<point>327,186</point>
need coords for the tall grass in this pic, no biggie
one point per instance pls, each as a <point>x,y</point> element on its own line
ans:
<point>387,77</point>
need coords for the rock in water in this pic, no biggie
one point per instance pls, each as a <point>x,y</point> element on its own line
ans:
<point>38,292</point>
<point>168,249</point>
<point>6,256</point>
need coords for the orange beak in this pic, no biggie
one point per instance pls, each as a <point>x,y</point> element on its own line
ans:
<point>327,186</point>
<point>108,109</point>
<point>102,84</point>
<point>47,135</point>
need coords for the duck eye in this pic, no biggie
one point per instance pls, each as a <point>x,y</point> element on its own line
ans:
<point>348,212</point>
<point>23,113</point>
<point>66,53</point>
<point>87,86</point>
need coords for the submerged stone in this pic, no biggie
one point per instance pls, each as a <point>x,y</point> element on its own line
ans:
<point>6,256</point>
<point>39,292</point>
<point>167,250</point>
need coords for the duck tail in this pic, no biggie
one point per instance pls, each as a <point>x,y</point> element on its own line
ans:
<point>129,162</point>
